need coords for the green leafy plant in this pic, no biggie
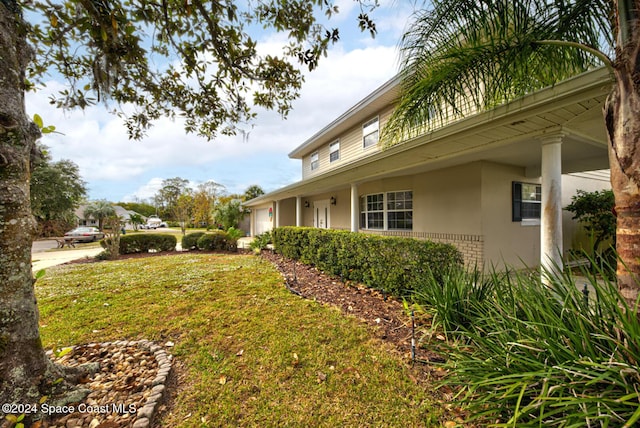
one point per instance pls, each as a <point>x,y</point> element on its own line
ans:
<point>213,241</point>
<point>594,210</point>
<point>260,242</point>
<point>536,355</point>
<point>455,297</point>
<point>143,243</point>
<point>190,240</point>
<point>233,235</point>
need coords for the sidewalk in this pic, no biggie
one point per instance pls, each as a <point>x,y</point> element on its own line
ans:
<point>45,259</point>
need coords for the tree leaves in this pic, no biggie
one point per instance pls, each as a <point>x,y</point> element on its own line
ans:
<point>193,59</point>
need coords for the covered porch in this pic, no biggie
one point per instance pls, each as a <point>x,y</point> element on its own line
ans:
<point>549,137</point>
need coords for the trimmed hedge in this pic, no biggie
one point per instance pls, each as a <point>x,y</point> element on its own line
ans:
<point>190,240</point>
<point>395,265</point>
<point>213,241</point>
<point>142,243</point>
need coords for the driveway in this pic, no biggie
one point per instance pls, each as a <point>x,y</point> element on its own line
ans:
<point>44,254</point>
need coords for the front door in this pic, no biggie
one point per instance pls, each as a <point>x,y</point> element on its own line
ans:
<point>321,214</point>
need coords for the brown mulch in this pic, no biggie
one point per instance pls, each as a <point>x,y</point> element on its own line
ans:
<point>390,320</point>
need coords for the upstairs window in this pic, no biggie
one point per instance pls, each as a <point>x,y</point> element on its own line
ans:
<point>526,201</point>
<point>370,133</point>
<point>334,151</point>
<point>315,161</point>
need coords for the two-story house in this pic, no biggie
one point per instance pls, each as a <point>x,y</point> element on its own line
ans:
<point>492,183</point>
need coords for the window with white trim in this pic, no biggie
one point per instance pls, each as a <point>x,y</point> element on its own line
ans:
<point>526,201</point>
<point>400,210</point>
<point>387,211</point>
<point>370,133</point>
<point>334,151</point>
<point>315,161</point>
<point>372,211</point>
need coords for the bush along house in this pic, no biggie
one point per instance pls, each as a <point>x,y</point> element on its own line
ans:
<point>491,183</point>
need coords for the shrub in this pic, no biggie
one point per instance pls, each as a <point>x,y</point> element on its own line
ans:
<point>190,240</point>
<point>213,241</point>
<point>143,243</point>
<point>233,235</point>
<point>260,242</point>
<point>394,265</point>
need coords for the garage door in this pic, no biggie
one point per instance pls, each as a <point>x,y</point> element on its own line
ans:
<point>263,221</point>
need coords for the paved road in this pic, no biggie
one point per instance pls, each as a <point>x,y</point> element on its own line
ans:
<point>44,254</point>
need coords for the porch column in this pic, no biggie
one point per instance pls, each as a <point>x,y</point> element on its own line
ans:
<point>277,220</point>
<point>298,211</point>
<point>355,208</point>
<point>551,209</point>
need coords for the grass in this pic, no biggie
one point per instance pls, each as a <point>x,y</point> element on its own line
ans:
<point>255,355</point>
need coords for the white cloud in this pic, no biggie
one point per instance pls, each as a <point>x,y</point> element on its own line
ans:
<point>146,191</point>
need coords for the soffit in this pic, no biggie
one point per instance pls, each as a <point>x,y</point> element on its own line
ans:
<point>377,101</point>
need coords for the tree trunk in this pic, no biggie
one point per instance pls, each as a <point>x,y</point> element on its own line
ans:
<point>26,374</point>
<point>622,116</point>
<point>22,359</point>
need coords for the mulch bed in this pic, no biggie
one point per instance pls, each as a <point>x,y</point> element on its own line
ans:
<point>387,316</point>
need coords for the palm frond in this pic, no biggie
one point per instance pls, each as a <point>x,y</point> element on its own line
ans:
<point>463,56</point>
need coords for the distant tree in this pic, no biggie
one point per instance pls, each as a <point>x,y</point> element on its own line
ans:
<point>202,209</point>
<point>205,198</point>
<point>136,220</point>
<point>229,214</point>
<point>99,210</point>
<point>252,192</point>
<point>595,211</point>
<point>172,189</point>
<point>182,210</point>
<point>212,189</point>
<point>56,190</point>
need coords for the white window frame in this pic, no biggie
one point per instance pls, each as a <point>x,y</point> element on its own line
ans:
<point>371,133</point>
<point>366,210</point>
<point>315,161</point>
<point>334,148</point>
<point>400,198</point>
<point>386,209</point>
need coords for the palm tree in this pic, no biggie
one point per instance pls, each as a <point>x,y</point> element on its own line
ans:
<point>99,210</point>
<point>476,54</point>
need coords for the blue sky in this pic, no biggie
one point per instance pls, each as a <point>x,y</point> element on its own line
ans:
<point>118,169</point>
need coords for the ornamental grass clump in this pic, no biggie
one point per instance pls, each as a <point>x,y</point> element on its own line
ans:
<point>454,296</point>
<point>548,355</point>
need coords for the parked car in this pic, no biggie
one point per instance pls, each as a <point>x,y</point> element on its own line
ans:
<point>154,222</point>
<point>85,234</point>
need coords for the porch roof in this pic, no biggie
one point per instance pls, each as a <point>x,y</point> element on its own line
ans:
<point>508,134</point>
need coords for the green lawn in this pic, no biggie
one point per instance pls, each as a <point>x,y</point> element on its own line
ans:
<point>255,354</point>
